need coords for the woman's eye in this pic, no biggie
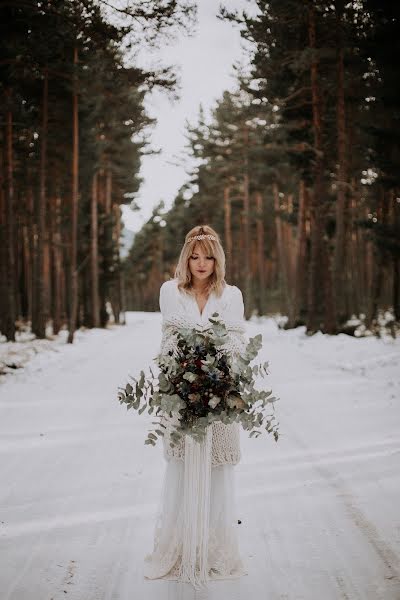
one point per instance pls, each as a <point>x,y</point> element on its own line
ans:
<point>207,257</point>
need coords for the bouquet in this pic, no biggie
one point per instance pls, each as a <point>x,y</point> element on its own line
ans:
<point>202,382</point>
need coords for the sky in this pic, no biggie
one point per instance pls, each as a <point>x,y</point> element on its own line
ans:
<point>204,64</point>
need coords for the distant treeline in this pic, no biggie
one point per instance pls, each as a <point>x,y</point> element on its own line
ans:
<point>72,132</point>
<point>298,170</point>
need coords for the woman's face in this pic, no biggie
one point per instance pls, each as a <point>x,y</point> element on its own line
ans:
<point>201,265</point>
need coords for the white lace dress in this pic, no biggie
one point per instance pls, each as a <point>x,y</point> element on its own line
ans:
<point>196,529</point>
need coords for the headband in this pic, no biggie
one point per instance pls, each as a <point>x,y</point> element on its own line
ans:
<point>202,237</point>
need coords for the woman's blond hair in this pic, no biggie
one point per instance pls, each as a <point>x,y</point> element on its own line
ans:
<point>210,247</point>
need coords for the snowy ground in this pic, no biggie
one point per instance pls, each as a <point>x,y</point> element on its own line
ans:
<point>319,509</point>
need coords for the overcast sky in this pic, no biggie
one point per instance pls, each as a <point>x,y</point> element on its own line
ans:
<point>204,64</point>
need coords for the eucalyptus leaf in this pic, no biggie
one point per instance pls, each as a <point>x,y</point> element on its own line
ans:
<point>194,381</point>
<point>189,376</point>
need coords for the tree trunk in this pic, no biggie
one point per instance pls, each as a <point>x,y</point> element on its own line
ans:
<point>117,302</point>
<point>9,322</point>
<point>396,266</point>
<point>329,313</point>
<point>57,264</point>
<point>282,255</point>
<point>108,195</point>
<point>103,241</point>
<point>396,288</point>
<point>260,252</point>
<point>341,197</point>
<point>74,208</point>
<point>3,248</point>
<point>289,258</point>
<point>94,257</point>
<point>301,274</point>
<point>228,232</point>
<point>31,233</point>
<point>25,274</point>
<point>315,279</point>
<point>123,296</point>
<point>39,324</point>
<point>246,228</point>
<point>378,265</point>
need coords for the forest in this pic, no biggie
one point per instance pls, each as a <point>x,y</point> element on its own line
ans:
<point>73,128</point>
<point>297,169</point>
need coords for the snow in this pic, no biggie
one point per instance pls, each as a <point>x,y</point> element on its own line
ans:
<point>319,508</point>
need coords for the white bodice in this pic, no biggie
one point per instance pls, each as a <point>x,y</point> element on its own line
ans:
<point>180,309</point>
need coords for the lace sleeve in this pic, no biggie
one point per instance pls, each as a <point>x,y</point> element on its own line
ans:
<point>225,438</point>
<point>170,321</point>
<point>167,305</point>
<point>235,322</point>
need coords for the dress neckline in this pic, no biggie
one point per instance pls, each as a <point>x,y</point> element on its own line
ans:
<point>201,313</point>
<point>207,304</point>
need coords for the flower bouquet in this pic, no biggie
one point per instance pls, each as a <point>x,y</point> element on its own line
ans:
<point>201,382</point>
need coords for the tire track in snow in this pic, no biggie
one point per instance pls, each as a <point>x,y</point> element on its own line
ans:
<point>363,524</point>
<point>342,587</point>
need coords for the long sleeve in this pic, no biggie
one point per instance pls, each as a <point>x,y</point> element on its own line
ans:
<point>165,297</point>
<point>235,322</point>
<point>167,307</point>
<point>225,446</point>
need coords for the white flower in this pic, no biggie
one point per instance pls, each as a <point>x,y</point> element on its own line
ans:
<point>214,400</point>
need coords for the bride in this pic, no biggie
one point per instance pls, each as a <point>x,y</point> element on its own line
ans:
<point>195,534</point>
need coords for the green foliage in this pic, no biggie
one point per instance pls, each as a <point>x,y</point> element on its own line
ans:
<point>220,146</point>
<point>201,382</point>
<point>52,51</point>
<point>265,131</point>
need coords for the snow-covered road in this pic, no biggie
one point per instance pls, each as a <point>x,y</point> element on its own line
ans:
<point>320,509</point>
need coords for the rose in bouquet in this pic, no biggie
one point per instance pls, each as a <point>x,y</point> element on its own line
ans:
<point>202,382</point>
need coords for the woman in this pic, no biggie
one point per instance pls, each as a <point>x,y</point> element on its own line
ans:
<point>195,538</point>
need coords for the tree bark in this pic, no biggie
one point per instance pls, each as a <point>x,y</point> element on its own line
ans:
<point>260,252</point>
<point>39,324</point>
<point>282,254</point>
<point>301,273</point>
<point>378,265</point>
<point>289,258</point>
<point>228,232</point>
<point>108,194</point>
<point>94,257</point>
<point>396,288</point>
<point>246,227</point>
<point>74,207</point>
<point>396,267</point>
<point>57,263</point>
<point>3,247</point>
<point>315,279</point>
<point>341,197</point>
<point>9,323</point>
<point>117,307</point>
